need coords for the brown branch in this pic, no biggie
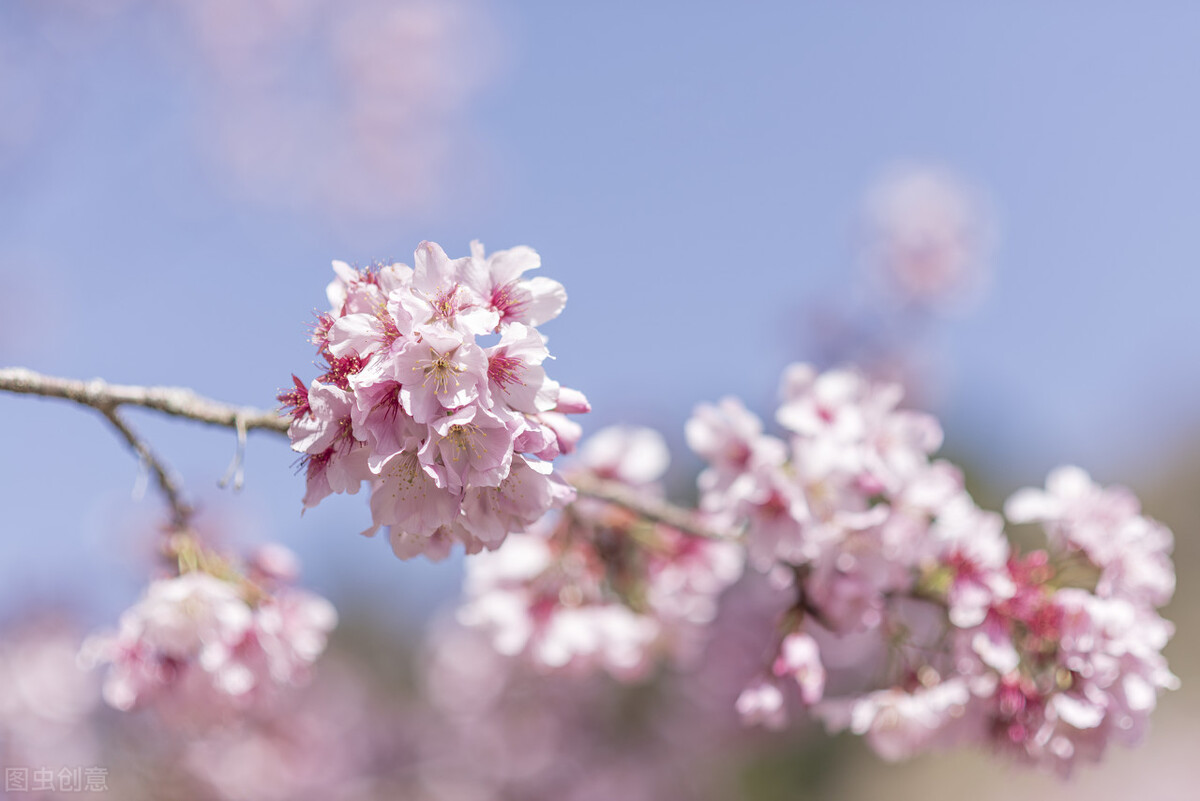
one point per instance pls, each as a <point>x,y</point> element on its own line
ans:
<point>656,511</point>
<point>174,401</point>
<point>181,511</point>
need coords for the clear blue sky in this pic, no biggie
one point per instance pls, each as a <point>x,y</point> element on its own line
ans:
<point>690,171</point>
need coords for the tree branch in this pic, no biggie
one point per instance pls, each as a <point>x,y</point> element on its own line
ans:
<point>174,401</point>
<point>656,511</point>
<point>181,511</point>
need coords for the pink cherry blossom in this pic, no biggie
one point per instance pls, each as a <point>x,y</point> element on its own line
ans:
<point>433,418</point>
<point>200,645</point>
<point>1131,551</point>
<point>800,659</point>
<point>762,704</point>
<point>499,280</point>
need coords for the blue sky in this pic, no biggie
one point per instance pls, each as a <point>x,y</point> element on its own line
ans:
<point>691,172</point>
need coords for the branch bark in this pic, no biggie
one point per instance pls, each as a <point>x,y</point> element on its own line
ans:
<point>656,511</point>
<point>181,511</point>
<point>174,401</point>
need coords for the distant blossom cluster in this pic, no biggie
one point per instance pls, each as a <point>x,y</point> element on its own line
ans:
<point>214,641</point>
<point>454,434</point>
<point>926,238</point>
<point>598,586</point>
<point>895,570</point>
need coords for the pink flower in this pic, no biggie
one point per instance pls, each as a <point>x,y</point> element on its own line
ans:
<point>628,454</point>
<point>926,238</point>
<point>471,447</point>
<point>970,545</point>
<point>519,501</point>
<point>440,296</point>
<point>800,659</point>
<point>515,373</point>
<point>444,371</point>
<point>409,495</point>
<point>191,622</point>
<point>1132,552</point>
<point>900,724</point>
<point>762,704</point>
<point>499,280</point>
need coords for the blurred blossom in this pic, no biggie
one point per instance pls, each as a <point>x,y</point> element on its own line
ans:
<point>36,313</point>
<point>338,107</point>
<point>595,587</point>
<point>212,643</point>
<point>310,748</point>
<point>500,728</point>
<point>926,239</point>
<point>350,107</point>
<point>45,698</point>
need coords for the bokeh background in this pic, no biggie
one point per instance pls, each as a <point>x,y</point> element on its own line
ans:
<point>717,185</point>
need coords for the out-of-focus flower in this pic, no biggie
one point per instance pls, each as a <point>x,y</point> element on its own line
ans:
<point>314,747</point>
<point>762,704</point>
<point>344,108</point>
<point>204,645</point>
<point>46,700</point>
<point>1106,527</point>
<point>926,238</point>
<point>596,586</point>
<point>800,659</point>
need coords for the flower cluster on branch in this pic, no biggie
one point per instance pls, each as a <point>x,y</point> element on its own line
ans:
<point>898,574</point>
<point>455,436</point>
<point>597,585</point>
<point>908,616</point>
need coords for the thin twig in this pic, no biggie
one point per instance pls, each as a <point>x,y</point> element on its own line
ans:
<point>656,511</point>
<point>174,401</point>
<point>236,472</point>
<point>181,512</point>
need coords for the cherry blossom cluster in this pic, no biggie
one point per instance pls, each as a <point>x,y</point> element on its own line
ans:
<point>455,436</point>
<point>216,640</point>
<point>895,571</point>
<point>598,585</point>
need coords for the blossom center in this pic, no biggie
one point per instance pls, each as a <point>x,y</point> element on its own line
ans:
<point>504,370</point>
<point>446,304</point>
<point>440,369</point>
<point>465,438</point>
